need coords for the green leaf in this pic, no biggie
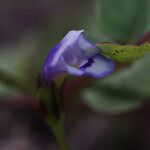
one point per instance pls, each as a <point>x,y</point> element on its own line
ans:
<point>14,63</point>
<point>102,100</point>
<point>119,20</point>
<point>123,91</point>
<point>15,83</point>
<point>14,58</point>
<point>124,53</point>
<point>135,78</point>
<point>5,90</point>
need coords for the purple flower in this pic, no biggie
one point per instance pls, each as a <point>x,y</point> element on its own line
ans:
<point>77,56</point>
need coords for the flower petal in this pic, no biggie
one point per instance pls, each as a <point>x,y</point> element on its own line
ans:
<point>74,71</point>
<point>89,48</point>
<point>98,67</point>
<point>68,42</point>
<point>75,50</point>
<point>62,53</point>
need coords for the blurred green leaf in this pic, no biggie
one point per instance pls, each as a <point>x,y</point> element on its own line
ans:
<point>14,57</point>
<point>110,101</point>
<point>14,61</point>
<point>15,83</point>
<point>5,90</point>
<point>120,20</point>
<point>135,78</point>
<point>122,91</point>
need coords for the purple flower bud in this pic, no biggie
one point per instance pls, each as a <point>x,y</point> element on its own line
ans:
<point>76,56</point>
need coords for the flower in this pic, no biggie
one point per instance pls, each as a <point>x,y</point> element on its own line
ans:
<point>76,55</point>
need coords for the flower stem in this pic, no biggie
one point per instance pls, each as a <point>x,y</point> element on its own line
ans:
<point>51,100</point>
<point>58,130</point>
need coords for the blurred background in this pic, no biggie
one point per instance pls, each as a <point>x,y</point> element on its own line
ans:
<point>106,114</point>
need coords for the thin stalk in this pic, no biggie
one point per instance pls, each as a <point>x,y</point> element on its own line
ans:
<point>51,100</point>
<point>58,131</point>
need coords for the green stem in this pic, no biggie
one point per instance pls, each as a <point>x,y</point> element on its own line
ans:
<point>51,100</point>
<point>58,130</point>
